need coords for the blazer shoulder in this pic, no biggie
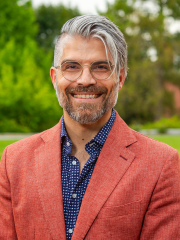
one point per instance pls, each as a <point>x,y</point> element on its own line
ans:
<point>137,142</point>
<point>32,142</point>
<point>154,145</point>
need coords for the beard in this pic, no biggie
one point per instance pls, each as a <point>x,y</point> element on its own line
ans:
<point>87,113</point>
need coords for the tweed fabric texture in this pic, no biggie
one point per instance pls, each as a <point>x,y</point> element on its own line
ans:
<point>133,193</point>
<point>74,184</point>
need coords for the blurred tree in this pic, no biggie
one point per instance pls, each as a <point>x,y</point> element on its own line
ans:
<point>151,53</point>
<point>27,99</point>
<point>50,20</point>
<point>16,21</point>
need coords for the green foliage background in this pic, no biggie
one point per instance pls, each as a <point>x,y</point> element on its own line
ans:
<point>27,99</point>
<point>144,97</point>
<point>27,36</point>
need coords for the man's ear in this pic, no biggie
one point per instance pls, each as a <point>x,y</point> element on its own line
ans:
<point>53,76</point>
<point>122,77</point>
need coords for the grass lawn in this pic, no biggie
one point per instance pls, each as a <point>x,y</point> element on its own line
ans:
<point>3,144</point>
<point>173,141</point>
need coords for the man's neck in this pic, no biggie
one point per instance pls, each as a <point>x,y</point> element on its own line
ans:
<point>80,134</point>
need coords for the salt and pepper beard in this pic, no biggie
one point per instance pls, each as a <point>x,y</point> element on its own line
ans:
<point>87,113</point>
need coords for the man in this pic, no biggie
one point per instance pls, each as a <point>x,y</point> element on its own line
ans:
<point>91,176</point>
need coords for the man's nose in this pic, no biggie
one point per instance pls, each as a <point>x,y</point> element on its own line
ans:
<point>86,77</point>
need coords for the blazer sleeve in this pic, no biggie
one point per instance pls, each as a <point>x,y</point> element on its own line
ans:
<point>162,219</point>
<point>7,226</point>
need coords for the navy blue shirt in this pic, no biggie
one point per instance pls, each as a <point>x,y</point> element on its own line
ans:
<point>73,184</point>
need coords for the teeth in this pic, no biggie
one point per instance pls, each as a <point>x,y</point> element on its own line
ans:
<point>86,96</point>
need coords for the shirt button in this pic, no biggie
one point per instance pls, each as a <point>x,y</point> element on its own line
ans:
<point>73,162</point>
<point>91,144</point>
<point>68,144</point>
<point>74,195</point>
<point>70,231</point>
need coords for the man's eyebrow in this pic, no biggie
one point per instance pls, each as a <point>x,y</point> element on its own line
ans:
<point>70,60</point>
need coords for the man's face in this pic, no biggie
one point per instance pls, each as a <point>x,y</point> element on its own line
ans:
<point>86,100</point>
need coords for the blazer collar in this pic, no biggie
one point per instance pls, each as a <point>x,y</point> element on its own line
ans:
<point>48,176</point>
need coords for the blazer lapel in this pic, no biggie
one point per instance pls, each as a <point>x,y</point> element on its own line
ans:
<point>48,175</point>
<point>113,162</point>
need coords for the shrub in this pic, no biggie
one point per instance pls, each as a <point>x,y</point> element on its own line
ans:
<point>161,125</point>
<point>10,125</point>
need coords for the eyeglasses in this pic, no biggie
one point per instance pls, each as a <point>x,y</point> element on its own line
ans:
<point>100,70</point>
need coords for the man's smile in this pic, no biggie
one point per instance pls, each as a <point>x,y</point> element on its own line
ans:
<point>85,96</point>
<point>90,93</point>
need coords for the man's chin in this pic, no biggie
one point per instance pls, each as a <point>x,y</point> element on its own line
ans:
<point>86,117</point>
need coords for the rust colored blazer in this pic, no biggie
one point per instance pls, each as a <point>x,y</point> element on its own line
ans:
<point>133,194</point>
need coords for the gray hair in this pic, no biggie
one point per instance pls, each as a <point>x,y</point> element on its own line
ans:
<point>100,27</point>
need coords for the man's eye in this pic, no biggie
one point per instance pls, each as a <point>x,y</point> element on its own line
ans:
<point>71,67</point>
<point>103,67</point>
<point>100,67</point>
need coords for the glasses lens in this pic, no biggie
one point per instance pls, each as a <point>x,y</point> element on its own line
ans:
<point>101,70</point>
<point>71,70</point>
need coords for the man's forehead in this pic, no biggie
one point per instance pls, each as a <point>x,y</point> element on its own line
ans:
<point>65,38</point>
<point>77,42</point>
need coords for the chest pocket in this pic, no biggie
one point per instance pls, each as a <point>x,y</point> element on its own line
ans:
<point>122,210</point>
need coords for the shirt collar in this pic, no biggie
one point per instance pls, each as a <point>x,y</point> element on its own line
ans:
<point>63,129</point>
<point>103,133</point>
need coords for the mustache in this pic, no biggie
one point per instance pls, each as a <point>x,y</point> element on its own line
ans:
<point>90,88</point>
